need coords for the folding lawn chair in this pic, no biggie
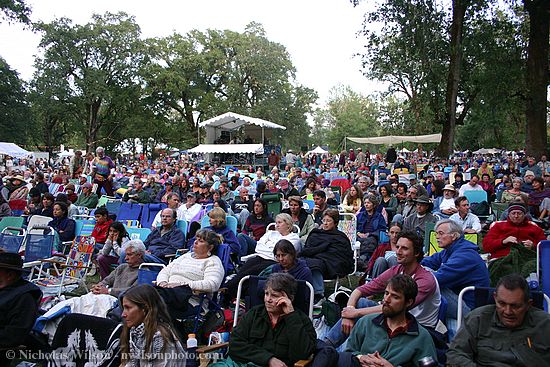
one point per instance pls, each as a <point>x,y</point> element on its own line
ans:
<point>72,272</point>
<point>11,239</point>
<point>138,233</point>
<point>129,211</point>
<point>147,272</point>
<point>149,213</point>
<point>38,245</point>
<point>16,222</point>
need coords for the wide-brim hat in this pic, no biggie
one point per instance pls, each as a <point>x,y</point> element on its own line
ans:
<point>11,261</point>
<point>17,177</point>
<point>423,199</point>
<point>449,187</point>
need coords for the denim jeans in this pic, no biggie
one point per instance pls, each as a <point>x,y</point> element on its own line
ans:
<point>317,282</point>
<point>336,336</point>
<point>247,243</point>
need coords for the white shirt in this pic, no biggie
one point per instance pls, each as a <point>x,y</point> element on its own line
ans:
<point>189,213</point>
<point>468,187</point>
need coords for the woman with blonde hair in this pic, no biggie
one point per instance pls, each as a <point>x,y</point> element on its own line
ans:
<point>148,337</point>
<point>263,256</point>
<point>218,224</point>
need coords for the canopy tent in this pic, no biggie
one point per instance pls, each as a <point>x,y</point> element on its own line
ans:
<point>487,151</point>
<point>397,139</point>
<point>228,148</point>
<point>232,121</point>
<point>318,150</point>
<point>13,150</point>
<point>404,150</point>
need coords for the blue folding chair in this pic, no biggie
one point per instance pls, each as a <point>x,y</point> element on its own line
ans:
<point>113,207</point>
<point>230,220</point>
<point>149,213</point>
<point>475,196</point>
<point>182,225</point>
<point>148,272</point>
<point>129,211</point>
<point>138,233</point>
<point>84,227</point>
<point>543,261</point>
<point>11,239</point>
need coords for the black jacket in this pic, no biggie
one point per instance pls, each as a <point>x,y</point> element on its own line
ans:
<point>329,252</point>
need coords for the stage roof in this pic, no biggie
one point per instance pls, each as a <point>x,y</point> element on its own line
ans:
<point>228,148</point>
<point>397,139</point>
<point>231,121</point>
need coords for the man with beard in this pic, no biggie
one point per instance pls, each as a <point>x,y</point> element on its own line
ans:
<point>425,307</point>
<point>392,338</point>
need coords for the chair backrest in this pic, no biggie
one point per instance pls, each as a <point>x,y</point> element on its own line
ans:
<point>16,222</point>
<point>274,204</point>
<point>308,205</point>
<point>103,200</point>
<point>138,233</point>
<point>348,225</point>
<point>84,227</point>
<point>182,225</point>
<point>303,300</point>
<point>384,238</point>
<point>79,258</point>
<point>129,211</point>
<point>39,245</point>
<point>543,261</point>
<point>433,246</point>
<point>484,296</point>
<point>149,213</point>
<point>113,207</point>
<point>224,251</point>
<point>426,235</point>
<point>148,272</point>
<point>475,196</point>
<point>131,223</point>
<point>37,220</point>
<point>11,239</point>
<point>342,182</point>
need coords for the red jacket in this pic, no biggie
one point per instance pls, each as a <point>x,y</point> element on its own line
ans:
<point>500,230</point>
<point>101,231</point>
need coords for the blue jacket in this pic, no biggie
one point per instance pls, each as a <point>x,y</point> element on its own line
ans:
<point>160,246</point>
<point>378,222</point>
<point>459,266</point>
<point>299,272</point>
<point>229,238</point>
<point>65,227</point>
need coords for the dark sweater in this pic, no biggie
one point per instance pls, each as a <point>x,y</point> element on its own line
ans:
<point>255,227</point>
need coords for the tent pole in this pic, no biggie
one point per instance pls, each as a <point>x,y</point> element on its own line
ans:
<point>345,143</point>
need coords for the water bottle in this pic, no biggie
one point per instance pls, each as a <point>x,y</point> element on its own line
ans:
<point>427,362</point>
<point>192,357</point>
<point>533,281</point>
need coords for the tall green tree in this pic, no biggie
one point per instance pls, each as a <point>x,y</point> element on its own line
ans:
<point>15,117</point>
<point>15,10</point>
<point>203,74</point>
<point>94,65</point>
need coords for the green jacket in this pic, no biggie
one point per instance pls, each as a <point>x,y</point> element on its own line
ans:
<point>370,335</point>
<point>254,340</point>
<point>483,341</point>
<point>89,202</point>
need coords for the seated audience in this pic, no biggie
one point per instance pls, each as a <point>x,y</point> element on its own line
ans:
<point>19,304</point>
<point>164,240</point>
<point>468,221</point>
<point>87,198</point>
<point>393,337</point>
<point>173,201</point>
<point>109,255</point>
<point>274,333</point>
<point>125,275</point>
<point>516,229</point>
<point>254,227</point>
<point>384,256</point>
<point>288,262</point>
<point>417,221</point>
<point>327,252</point>
<point>457,266</point>
<point>425,307</point>
<point>510,332</point>
<point>509,195</point>
<point>218,224</point>
<point>263,255</point>
<point>64,226</point>
<point>389,202</point>
<point>446,206</point>
<point>148,335</point>
<point>300,217</point>
<point>353,200</point>
<point>370,223</point>
<point>102,224</point>
<point>197,271</point>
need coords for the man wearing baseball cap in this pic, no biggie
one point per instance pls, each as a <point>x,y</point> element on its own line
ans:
<point>19,300</point>
<point>516,229</point>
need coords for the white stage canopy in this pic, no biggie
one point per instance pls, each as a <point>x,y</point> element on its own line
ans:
<point>228,148</point>
<point>231,121</point>
<point>397,139</point>
<point>318,150</point>
<point>13,150</point>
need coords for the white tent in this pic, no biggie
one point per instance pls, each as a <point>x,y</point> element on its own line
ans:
<point>13,150</point>
<point>397,139</point>
<point>232,121</point>
<point>228,148</point>
<point>487,151</point>
<point>318,150</point>
<point>405,150</point>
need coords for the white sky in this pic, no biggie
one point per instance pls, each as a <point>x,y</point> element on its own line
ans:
<point>320,35</point>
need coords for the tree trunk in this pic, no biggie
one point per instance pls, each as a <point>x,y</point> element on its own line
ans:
<point>93,124</point>
<point>537,77</point>
<point>445,147</point>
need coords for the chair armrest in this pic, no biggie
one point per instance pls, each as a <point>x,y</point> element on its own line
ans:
<point>52,261</point>
<point>303,362</point>
<point>210,348</point>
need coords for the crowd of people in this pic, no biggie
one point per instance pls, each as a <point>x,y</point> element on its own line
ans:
<point>395,200</point>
